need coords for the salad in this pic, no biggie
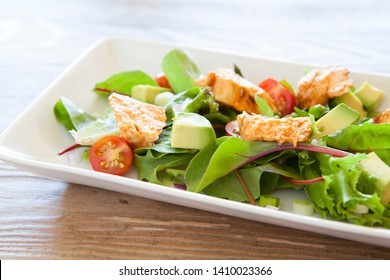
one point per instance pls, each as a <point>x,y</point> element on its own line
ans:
<point>219,134</point>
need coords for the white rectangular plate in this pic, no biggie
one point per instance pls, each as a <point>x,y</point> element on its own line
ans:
<point>32,141</point>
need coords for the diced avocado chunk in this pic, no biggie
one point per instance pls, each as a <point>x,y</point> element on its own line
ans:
<point>374,167</point>
<point>338,118</point>
<point>191,131</point>
<point>351,100</point>
<point>146,93</point>
<point>269,200</point>
<point>370,96</point>
<point>163,98</point>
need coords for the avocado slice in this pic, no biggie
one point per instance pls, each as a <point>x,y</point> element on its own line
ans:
<point>191,131</point>
<point>370,96</point>
<point>147,93</point>
<point>374,167</point>
<point>351,100</point>
<point>338,118</point>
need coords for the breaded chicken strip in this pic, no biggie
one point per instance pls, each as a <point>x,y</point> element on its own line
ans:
<point>284,130</point>
<point>384,117</point>
<point>234,91</point>
<point>139,123</point>
<point>321,84</point>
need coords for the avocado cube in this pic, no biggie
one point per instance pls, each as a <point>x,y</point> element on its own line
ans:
<point>338,118</point>
<point>351,100</point>
<point>191,131</point>
<point>370,96</point>
<point>375,168</point>
<point>146,93</point>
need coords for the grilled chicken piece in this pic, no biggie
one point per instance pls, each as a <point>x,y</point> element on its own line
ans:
<point>139,123</point>
<point>384,117</point>
<point>284,130</point>
<point>234,91</point>
<point>320,85</point>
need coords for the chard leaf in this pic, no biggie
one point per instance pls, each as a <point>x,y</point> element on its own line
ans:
<point>229,186</point>
<point>123,83</point>
<point>71,116</point>
<point>366,137</point>
<point>180,70</point>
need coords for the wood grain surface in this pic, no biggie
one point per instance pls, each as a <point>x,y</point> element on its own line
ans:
<point>42,218</point>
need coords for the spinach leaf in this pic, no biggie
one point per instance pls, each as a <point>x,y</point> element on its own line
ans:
<point>220,158</point>
<point>123,83</point>
<point>180,70</point>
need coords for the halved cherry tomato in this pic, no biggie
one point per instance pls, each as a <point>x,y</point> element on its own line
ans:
<point>231,129</point>
<point>111,154</point>
<point>162,80</point>
<point>284,99</point>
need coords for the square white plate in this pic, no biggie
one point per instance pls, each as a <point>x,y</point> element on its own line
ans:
<point>32,141</point>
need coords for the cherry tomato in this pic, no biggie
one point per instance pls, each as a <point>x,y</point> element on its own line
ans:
<point>111,154</point>
<point>162,80</point>
<point>283,97</point>
<point>231,129</point>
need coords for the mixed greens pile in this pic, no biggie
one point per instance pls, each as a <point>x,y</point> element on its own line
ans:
<point>326,169</point>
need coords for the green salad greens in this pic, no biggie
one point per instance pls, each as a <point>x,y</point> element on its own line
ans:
<point>332,169</point>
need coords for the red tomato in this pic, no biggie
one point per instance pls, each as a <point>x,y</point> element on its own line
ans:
<point>111,154</point>
<point>231,129</point>
<point>162,80</point>
<point>284,99</point>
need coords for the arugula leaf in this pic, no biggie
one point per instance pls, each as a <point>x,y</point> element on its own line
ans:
<point>366,137</point>
<point>123,83</point>
<point>180,70</point>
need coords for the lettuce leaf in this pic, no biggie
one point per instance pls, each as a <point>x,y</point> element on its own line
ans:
<point>367,137</point>
<point>71,116</point>
<point>338,196</point>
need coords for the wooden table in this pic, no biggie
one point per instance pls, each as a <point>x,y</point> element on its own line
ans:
<point>47,219</point>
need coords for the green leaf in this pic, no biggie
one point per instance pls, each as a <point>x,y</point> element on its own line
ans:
<point>151,166</point>
<point>123,83</point>
<point>230,187</point>
<point>339,195</point>
<point>194,100</point>
<point>92,131</point>
<point>180,70</point>
<point>71,116</point>
<point>367,137</point>
<point>155,163</point>
<point>264,108</point>
<point>220,158</point>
